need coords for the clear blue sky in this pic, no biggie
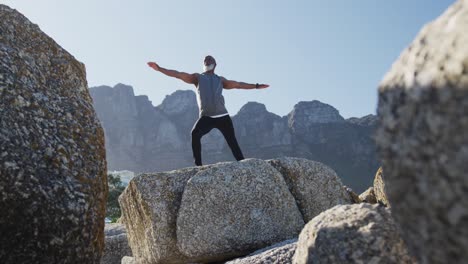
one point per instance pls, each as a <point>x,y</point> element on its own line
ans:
<point>333,51</point>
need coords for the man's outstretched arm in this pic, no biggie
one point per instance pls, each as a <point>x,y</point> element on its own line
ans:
<point>186,77</point>
<point>229,84</point>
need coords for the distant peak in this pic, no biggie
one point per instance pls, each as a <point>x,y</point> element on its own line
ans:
<point>253,107</point>
<point>313,103</point>
<point>181,93</point>
<point>368,120</point>
<point>123,86</point>
<point>179,102</point>
<point>315,112</point>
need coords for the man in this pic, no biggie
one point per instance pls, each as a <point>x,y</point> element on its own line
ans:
<point>212,112</point>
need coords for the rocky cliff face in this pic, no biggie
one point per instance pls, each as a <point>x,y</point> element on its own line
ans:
<point>140,137</point>
<point>135,130</point>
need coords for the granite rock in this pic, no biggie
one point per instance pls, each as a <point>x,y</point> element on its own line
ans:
<point>315,186</point>
<point>354,196</point>
<point>128,260</point>
<point>230,209</point>
<point>150,205</point>
<point>53,184</point>
<point>379,188</point>
<point>280,253</point>
<point>368,196</point>
<point>116,244</point>
<point>358,233</point>
<point>422,139</point>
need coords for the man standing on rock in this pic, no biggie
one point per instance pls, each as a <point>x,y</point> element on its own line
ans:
<point>212,112</point>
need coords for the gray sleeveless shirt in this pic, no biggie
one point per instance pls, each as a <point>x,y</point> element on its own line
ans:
<point>210,95</point>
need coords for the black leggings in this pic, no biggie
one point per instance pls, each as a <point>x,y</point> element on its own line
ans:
<point>204,125</point>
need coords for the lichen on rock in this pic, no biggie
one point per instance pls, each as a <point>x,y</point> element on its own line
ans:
<point>358,233</point>
<point>423,141</point>
<point>52,158</point>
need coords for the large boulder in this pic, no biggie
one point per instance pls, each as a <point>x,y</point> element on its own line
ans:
<point>226,210</point>
<point>149,206</point>
<point>231,209</point>
<point>358,233</point>
<point>280,253</point>
<point>53,185</point>
<point>116,244</point>
<point>423,140</point>
<point>315,186</point>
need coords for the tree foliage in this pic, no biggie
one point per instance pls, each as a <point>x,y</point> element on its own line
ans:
<point>116,187</point>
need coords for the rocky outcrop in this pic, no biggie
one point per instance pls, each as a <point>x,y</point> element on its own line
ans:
<point>422,139</point>
<point>379,188</point>
<point>144,138</point>
<point>352,195</point>
<point>53,170</point>
<point>347,147</point>
<point>116,244</point>
<point>315,112</point>
<point>181,108</point>
<point>149,206</point>
<point>134,129</point>
<point>368,196</point>
<point>315,186</point>
<point>281,253</point>
<point>243,206</point>
<point>259,128</point>
<point>368,120</point>
<point>217,212</point>
<point>359,233</point>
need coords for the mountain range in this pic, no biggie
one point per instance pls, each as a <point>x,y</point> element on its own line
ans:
<point>141,137</point>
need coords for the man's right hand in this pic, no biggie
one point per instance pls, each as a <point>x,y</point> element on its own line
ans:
<point>263,86</point>
<point>154,65</point>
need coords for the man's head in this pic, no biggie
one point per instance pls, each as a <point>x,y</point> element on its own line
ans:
<point>209,63</point>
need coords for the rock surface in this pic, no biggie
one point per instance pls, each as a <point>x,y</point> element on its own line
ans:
<point>353,196</point>
<point>116,244</point>
<point>149,206</point>
<point>217,212</point>
<point>144,138</point>
<point>358,233</point>
<point>53,170</point>
<point>281,253</point>
<point>422,139</point>
<point>315,186</point>
<point>379,188</point>
<point>243,206</point>
<point>128,260</point>
<point>368,196</point>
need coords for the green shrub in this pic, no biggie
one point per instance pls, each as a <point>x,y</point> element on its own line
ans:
<point>115,189</point>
